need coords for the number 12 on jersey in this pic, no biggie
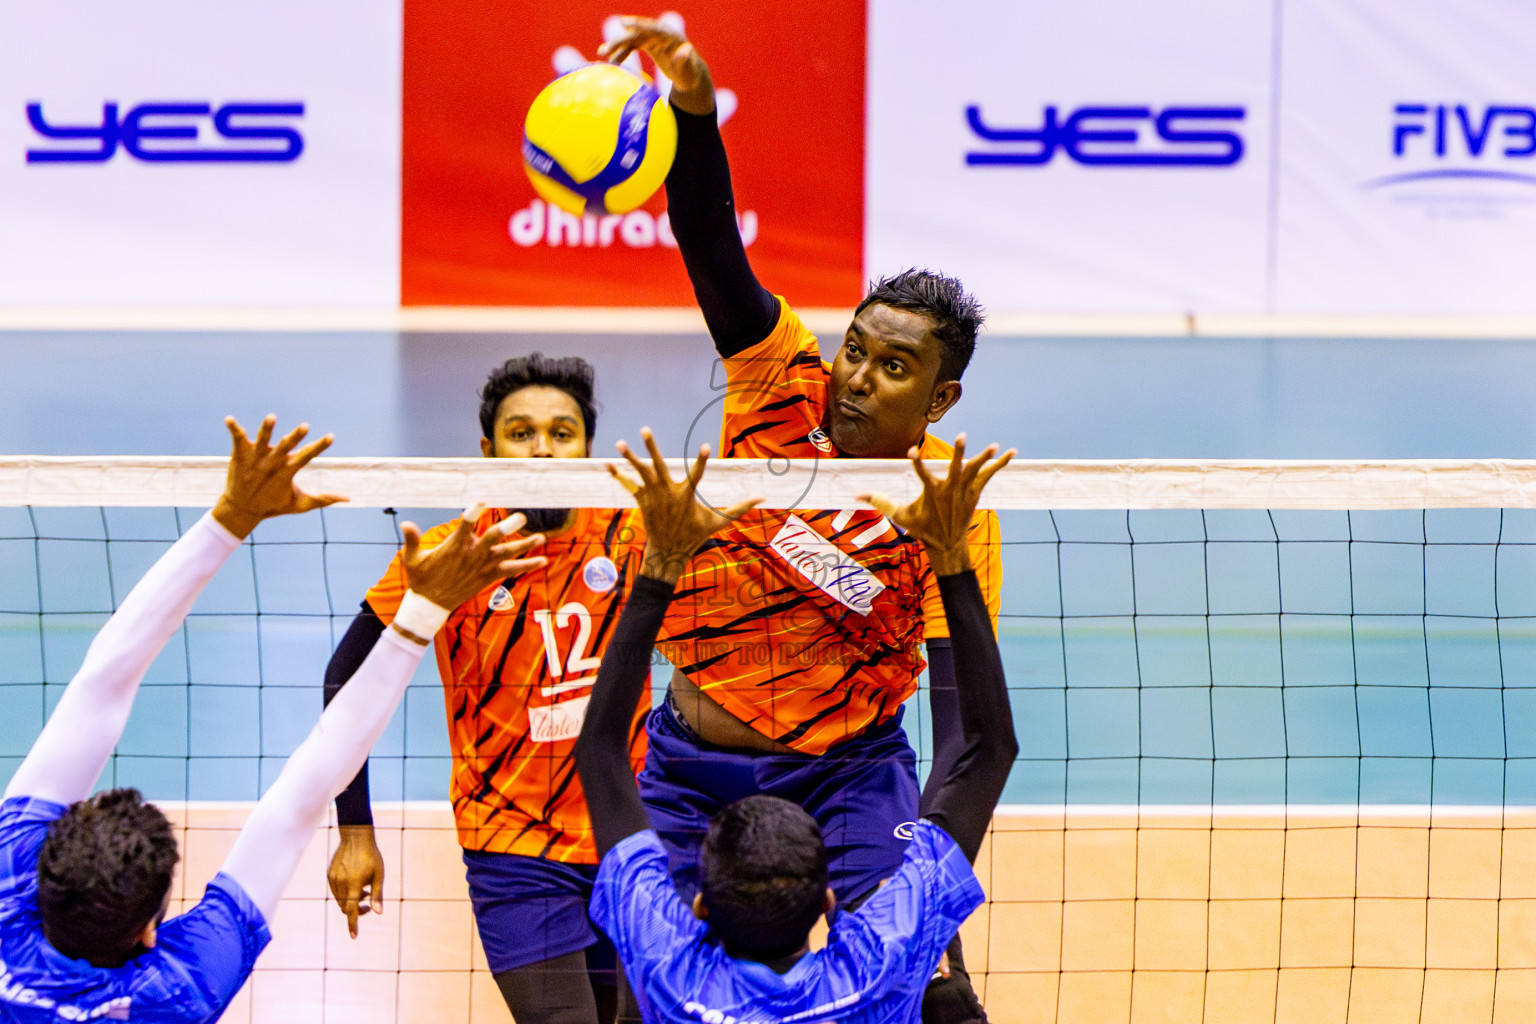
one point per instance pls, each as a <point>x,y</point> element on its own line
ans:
<point>578,660</point>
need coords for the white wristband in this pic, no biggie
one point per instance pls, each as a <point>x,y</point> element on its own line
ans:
<point>419,616</point>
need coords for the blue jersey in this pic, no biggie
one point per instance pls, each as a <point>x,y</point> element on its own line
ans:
<point>200,959</point>
<point>873,970</point>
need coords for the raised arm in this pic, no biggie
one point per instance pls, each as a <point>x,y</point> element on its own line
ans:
<point>274,837</point>
<point>963,801</point>
<point>738,310</point>
<point>356,874</point>
<point>89,720</point>
<point>676,524</point>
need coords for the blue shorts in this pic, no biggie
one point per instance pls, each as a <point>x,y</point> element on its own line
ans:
<point>863,794</point>
<point>529,909</point>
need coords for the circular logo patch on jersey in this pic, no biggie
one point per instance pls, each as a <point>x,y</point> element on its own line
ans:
<point>600,574</point>
<point>904,830</point>
<point>819,438</point>
<point>499,600</point>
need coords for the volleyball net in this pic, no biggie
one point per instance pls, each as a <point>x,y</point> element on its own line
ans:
<point>1277,723</point>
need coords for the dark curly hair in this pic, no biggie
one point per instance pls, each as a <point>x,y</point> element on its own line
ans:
<point>573,375</point>
<point>763,876</point>
<point>955,314</point>
<point>103,874</point>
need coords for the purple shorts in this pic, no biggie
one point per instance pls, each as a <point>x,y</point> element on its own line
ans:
<point>863,793</point>
<point>529,909</point>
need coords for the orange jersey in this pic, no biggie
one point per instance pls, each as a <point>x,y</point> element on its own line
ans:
<point>518,663</point>
<point>808,625</point>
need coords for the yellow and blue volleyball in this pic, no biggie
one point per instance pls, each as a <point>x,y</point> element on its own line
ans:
<point>599,139</point>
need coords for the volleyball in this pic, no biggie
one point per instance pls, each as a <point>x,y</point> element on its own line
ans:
<point>599,139</point>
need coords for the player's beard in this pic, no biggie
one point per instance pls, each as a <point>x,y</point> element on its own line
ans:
<point>543,520</point>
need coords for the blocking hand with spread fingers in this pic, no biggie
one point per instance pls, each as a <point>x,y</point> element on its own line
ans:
<point>677,523</point>
<point>941,514</point>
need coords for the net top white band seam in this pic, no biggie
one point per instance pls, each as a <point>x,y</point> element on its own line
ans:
<point>58,481</point>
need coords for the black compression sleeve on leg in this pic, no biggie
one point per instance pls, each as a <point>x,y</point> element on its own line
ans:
<point>602,749</point>
<point>353,805</point>
<point>964,801</point>
<point>738,310</point>
<point>554,991</point>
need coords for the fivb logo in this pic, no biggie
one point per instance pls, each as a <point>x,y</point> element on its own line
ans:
<point>538,223</point>
<point>263,132</point>
<point>1464,135</point>
<point>1114,137</point>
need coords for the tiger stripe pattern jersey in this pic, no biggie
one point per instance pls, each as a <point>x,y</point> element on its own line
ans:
<point>518,663</point>
<point>807,625</point>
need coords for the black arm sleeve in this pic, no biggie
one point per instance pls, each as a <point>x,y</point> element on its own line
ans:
<point>738,310</point>
<point>353,805</point>
<point>963,802</point>
<point>602,749</point>
<point>944,713</point>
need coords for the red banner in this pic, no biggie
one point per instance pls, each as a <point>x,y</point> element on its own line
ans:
<point>791,84</point>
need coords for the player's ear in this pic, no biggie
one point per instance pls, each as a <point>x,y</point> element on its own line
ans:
<point>828,901</point>
<point>945,395</point>
<point>700,911</point>
<point>486,448</point>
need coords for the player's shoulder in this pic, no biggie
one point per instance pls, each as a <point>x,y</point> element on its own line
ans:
<point>210,949</point>
<point>935,877</point>
<point>633,853</point>
<point>790,339</point>
<point>611,527</point>
<point>22,811</point>
<point>24,822</point>
<point>635,901</point>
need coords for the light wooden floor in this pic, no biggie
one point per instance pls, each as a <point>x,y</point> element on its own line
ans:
<point>1094,916</point>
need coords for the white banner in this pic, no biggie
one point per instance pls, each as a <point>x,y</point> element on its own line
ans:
<point>1408,157</point>
<point>179,152</point>
<point>1120,156</point>
<point>1110,155</point>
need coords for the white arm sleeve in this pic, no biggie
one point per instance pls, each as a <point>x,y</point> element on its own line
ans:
<point>82,731</point>
<point>274,837</point>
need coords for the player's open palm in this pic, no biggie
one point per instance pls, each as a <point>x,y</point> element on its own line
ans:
<point>941,514</point>
<point>676,522</point>
<point>259,483</point>
<point>463,564</point>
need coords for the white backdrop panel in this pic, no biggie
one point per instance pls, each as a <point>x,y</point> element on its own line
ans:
<point>322,229</point>
<point>1408,157</point>
<point>1067,235</point>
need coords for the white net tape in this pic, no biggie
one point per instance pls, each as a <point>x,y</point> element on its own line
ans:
<point>829,483</point>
